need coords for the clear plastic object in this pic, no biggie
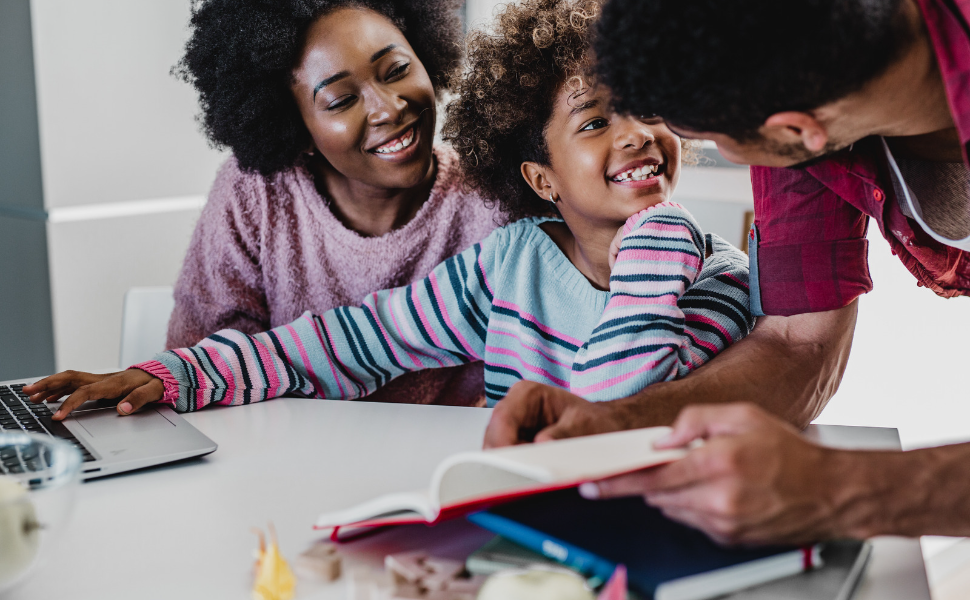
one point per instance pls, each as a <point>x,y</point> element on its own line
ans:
<point>38,481</point>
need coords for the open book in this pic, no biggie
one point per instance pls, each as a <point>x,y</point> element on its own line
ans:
<point>473,480</point>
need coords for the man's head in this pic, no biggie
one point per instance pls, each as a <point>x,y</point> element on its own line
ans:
<point>749,74</point>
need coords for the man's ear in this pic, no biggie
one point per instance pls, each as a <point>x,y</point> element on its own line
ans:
<point>796,128</point>
<point>535,175</point>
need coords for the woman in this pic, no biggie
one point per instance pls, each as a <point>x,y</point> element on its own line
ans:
<point>334,189</point>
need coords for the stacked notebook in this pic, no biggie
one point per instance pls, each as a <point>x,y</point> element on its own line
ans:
<point>664,560</point>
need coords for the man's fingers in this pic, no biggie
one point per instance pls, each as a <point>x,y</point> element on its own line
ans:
<point>701,421</point>
<point>139,397</point>
<point>516,411</point>
<point>686,472</point>
<point>557,431</point>
<point>630,484</point>
<point>528,408</point>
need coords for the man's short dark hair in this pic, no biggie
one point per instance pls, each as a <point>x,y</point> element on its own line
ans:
<point>727,65</point>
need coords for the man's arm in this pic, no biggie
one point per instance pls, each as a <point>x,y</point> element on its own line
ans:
<point>790,366</point>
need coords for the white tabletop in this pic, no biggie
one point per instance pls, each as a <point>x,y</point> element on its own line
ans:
<point>183,531</point>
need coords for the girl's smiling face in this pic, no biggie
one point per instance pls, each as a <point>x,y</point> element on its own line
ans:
<point>603,167</point>
<point>366,99</point>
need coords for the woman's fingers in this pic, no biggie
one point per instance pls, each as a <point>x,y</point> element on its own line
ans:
<point>150,392</point>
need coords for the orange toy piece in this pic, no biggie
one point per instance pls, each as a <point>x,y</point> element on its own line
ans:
<point>274,579</point>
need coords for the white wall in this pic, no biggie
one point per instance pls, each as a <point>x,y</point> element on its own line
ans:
<point>909,363</point>
<point>125,166</point>
<point>93,263</point>
<point>115,125</point>
<point>718,197</point>
<point>479,12</point>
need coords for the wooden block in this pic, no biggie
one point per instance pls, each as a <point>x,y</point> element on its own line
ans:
<point>321,561</point>
<point>440,573</point>
<point>407,566</point>
<point>444,566</point>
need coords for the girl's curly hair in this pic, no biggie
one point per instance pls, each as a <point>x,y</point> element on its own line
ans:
<point>241,55</point>
<point>505,96</point>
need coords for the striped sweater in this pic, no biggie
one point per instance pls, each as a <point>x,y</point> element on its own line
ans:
<point>513,301</point>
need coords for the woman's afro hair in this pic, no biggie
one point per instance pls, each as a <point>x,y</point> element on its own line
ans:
<point>505,96</point>
<point>241,55</point>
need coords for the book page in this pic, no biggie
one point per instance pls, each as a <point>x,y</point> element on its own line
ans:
<point>550,464</point>
<point>469,477</point>
<point>468,480</point>
<point>398,505</point>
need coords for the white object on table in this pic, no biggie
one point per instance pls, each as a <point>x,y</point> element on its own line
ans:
<point>183,531</point>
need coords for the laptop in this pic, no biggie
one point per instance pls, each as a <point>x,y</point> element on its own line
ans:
<point>109,443</point>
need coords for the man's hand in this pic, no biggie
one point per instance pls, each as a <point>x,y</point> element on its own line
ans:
<point>136,388</point>
<point>534,412</point>
<point>755,480</point>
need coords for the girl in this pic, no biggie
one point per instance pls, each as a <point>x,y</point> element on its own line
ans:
<point>333,191</point>
<point>537,299</point>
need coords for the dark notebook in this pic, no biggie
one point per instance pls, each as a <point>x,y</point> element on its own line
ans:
<point>664,560</point>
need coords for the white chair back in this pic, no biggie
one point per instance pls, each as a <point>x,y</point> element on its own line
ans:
<point>144,323</point>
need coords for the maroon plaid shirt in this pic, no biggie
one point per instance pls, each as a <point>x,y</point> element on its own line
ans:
<point>808,247</point>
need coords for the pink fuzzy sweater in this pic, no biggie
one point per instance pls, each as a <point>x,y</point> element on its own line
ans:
<point>267,249</point>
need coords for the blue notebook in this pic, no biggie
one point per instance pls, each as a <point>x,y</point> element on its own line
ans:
<point>664,560</point>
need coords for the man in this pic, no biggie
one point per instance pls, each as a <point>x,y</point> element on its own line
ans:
<point>857,111</point>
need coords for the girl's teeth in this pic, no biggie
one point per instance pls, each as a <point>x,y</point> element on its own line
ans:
<point>638,174</point>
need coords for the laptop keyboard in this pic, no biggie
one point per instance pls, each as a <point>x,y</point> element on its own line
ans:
<point>18,414</point>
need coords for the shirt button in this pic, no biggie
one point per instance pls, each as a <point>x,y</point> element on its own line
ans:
<point>878,195</point>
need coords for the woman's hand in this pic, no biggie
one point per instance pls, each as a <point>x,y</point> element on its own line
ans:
<point>136,388</point>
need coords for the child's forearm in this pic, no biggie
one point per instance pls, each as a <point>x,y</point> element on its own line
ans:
<point>231,368</point>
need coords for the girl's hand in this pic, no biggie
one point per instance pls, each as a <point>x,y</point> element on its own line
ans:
<point>615,246</point>
<point>136,388</point>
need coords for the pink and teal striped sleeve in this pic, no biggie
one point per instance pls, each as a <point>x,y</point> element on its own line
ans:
<point>667,314</point>
<point>345,353</point>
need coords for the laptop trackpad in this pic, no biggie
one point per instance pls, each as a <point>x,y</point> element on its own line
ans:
<point>108,423</point>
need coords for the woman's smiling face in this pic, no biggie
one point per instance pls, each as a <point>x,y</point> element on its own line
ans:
<point>366,99</point>
<point>606,167</point>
